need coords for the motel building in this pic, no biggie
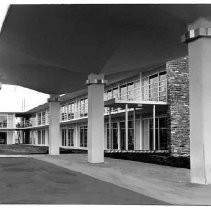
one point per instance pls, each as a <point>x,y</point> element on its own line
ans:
<point>147,111</point>
<point>120,78</point>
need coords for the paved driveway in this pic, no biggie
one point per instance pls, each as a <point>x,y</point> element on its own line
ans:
<point>30,181</point>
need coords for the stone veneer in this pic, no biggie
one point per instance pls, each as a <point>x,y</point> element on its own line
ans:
<point>178,109</point>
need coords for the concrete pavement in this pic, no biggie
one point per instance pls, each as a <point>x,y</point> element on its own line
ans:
<point>29,181</point>
<point>165,183</point>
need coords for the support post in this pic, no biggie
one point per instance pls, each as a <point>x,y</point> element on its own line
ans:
<point>199,51</point>
<point>109,131</point>
<point>95,118</point>
<point>154,139</point>
<point>54,126</point>
<point>119,136</point>
<point>126,127</point>
<point>134,126</point>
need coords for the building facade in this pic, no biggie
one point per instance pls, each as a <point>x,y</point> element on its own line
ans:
<point>147,111</point>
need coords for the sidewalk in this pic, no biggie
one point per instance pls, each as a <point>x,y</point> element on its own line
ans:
<point>164,183</point>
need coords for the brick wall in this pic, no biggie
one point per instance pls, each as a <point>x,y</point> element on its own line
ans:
<point>178,109</point>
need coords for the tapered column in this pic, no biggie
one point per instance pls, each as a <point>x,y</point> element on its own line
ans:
<point>199,51</point>
<point>95,118</point>
<point>54,126</point>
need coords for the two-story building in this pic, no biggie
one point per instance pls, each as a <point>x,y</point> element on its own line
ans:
<point>148,110</point>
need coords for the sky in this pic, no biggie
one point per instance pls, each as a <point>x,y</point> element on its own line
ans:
<point>12,96</point>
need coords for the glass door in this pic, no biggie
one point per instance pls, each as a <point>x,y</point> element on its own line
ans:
<point>122,135</point>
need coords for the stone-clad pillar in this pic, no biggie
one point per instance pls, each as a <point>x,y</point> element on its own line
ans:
<point>198,38</point>
<point>54,125</point>
<point>95,118</point>
<point>178,106</point>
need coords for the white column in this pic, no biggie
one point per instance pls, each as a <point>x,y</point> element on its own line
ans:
<point>109,129</point>
<point>126,127</point>
<point>76,136</point>
<point>119,137</point>
<point>54,125</point>
<point>154,139</point>
<point>199,51</point>
<point>95,118</point>
<point>10,137</point>
<point>134,126</point>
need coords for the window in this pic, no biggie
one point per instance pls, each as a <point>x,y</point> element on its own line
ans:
<point>83,136</point>
<point>43,118</point>
<point>109,94</point>
<point>114,136</point>
<point>162,87</point>
<point>71,111</point>
<point>160,133</point>
<point>39,117</point>
<point>123,92</point>
<point>83,107</point>
<point>155,87</point>
<point>64,137</point>
<point>70,137</point>
<point>130,92</point>
<point>115,93</point>
<point>62,113</point>
<point>86,107</point>
<point>137,90</point>
<point>43,137</point>
<point>3,121</point>
<point>39,137</point>
<point>130,135</point>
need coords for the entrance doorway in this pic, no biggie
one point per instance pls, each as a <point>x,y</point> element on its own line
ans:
<point>3,138</point>
<point>130,135</point>
<point>160,133</point>
<point>114,136</point>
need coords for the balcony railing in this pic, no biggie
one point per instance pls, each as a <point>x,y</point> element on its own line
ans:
<point>3,124</point>
<point>73,115</point>
<point>156,91</point>
<point>30,123</point>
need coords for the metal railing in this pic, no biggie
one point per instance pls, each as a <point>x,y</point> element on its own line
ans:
<point>3,124</point>
<point>31,123</point>
<point>155,92</point>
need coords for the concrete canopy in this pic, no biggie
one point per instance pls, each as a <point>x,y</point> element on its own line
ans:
<point>53,48</point>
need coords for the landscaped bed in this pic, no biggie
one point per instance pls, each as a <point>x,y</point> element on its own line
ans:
<point>157,157</point>
<point>24,149</point>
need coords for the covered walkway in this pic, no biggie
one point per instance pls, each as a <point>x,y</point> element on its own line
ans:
<point>168,184</point>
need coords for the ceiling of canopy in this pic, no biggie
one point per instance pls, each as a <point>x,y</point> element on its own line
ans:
<point>53,48</point>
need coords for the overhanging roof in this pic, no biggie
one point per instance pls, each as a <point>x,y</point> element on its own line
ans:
<point>53,48</point>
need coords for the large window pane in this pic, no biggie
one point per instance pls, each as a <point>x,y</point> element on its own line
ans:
<point>3,121</point>
<point>63,137</point>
